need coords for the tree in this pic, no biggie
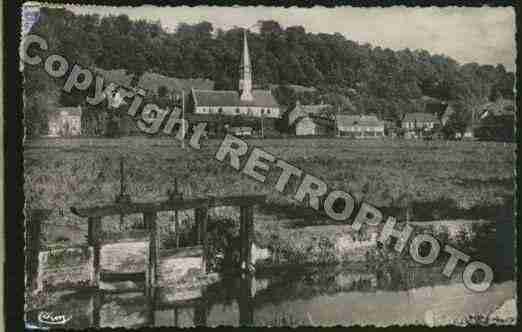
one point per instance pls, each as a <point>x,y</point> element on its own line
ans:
<point>387,82</point>
<point>458,121</point>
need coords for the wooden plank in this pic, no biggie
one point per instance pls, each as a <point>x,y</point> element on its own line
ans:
<point>97,301</point>
<point>94,240</point>
<point>150,293</point>
<point>152,266</point>
<point>246,233</point>
<point>167,205</point>
<point>246,302</point>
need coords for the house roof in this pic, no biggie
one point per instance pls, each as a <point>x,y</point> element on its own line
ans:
<point>152,81</point>
<point>300,111</point>
<point>344,121</point>
<point>419,117</point>
<point>501,107</point>
<point>317,119</point>
<point>262,98</point>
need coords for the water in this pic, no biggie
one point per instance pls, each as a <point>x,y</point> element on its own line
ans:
<point>325,296</point>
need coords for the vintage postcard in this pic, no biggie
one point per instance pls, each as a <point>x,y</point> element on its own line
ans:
<point>268,166</point>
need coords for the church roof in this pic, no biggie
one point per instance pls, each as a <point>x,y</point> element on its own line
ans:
<point>262,98</point>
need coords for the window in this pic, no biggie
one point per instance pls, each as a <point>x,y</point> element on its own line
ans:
<point>220,110</point>
<point>237,110</point>
<point>268,111</point>
<point>262,111</point>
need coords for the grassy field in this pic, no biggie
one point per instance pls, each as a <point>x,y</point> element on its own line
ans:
<point>432,180</point>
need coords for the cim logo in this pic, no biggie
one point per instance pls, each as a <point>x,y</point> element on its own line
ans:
<point>53,318</point>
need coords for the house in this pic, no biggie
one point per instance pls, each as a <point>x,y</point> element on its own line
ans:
<point>468,134</point>
<point>501,107</point>
<point>311,125</point>
<point>391,128</point>
<point>359,126</point>
<point>65,122</point>
<point>419,121</point>
<point>299,111</point>
<point>497,121</point>
<point>241,131</point>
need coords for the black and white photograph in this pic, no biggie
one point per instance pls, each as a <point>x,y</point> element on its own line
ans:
<point>268,166</point>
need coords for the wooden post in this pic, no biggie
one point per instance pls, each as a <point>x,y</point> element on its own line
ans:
<point>32,234</point>
<point>93,239</point>
<point>150,294</point>
<point>152,266</point>
<point>246,233</point>
<point>201,216</point>
<point>201,312</point>
<point>245,302</point>
<point>97,300</point>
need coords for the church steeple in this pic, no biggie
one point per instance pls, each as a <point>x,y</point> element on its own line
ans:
<point>245,80</point>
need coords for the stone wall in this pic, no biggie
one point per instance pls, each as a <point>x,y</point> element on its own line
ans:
<point>65,268</point>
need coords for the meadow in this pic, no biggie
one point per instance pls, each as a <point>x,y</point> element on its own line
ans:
<point>416,180</point>
<point>61,173</point>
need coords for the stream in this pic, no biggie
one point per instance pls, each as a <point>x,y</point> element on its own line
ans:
<point>325,296</point>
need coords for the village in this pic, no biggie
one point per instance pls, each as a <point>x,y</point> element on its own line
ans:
<point>308,156</point>
<point>252,112</point>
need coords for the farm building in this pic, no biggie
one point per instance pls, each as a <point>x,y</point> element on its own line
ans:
<point>300,111</point>
<point>311,125</point>
<point>66,122</point>
<point>359,126</point>
<point>419,120</point>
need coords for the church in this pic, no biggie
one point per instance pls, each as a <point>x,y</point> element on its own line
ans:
<point>246,108</point>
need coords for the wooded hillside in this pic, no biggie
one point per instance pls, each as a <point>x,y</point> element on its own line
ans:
<point>358,77</point>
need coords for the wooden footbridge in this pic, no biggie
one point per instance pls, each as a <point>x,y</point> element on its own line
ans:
<point>149,211</point>
<point>94,217</point>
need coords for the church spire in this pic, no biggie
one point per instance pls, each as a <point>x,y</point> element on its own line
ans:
<point>245,81</point>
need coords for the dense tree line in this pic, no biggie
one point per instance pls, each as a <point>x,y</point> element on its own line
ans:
<point>356,77</point>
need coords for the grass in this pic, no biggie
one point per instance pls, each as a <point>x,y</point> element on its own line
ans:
<point>427,180</point>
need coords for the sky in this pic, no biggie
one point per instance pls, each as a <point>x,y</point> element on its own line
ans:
<point>485,35</point>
